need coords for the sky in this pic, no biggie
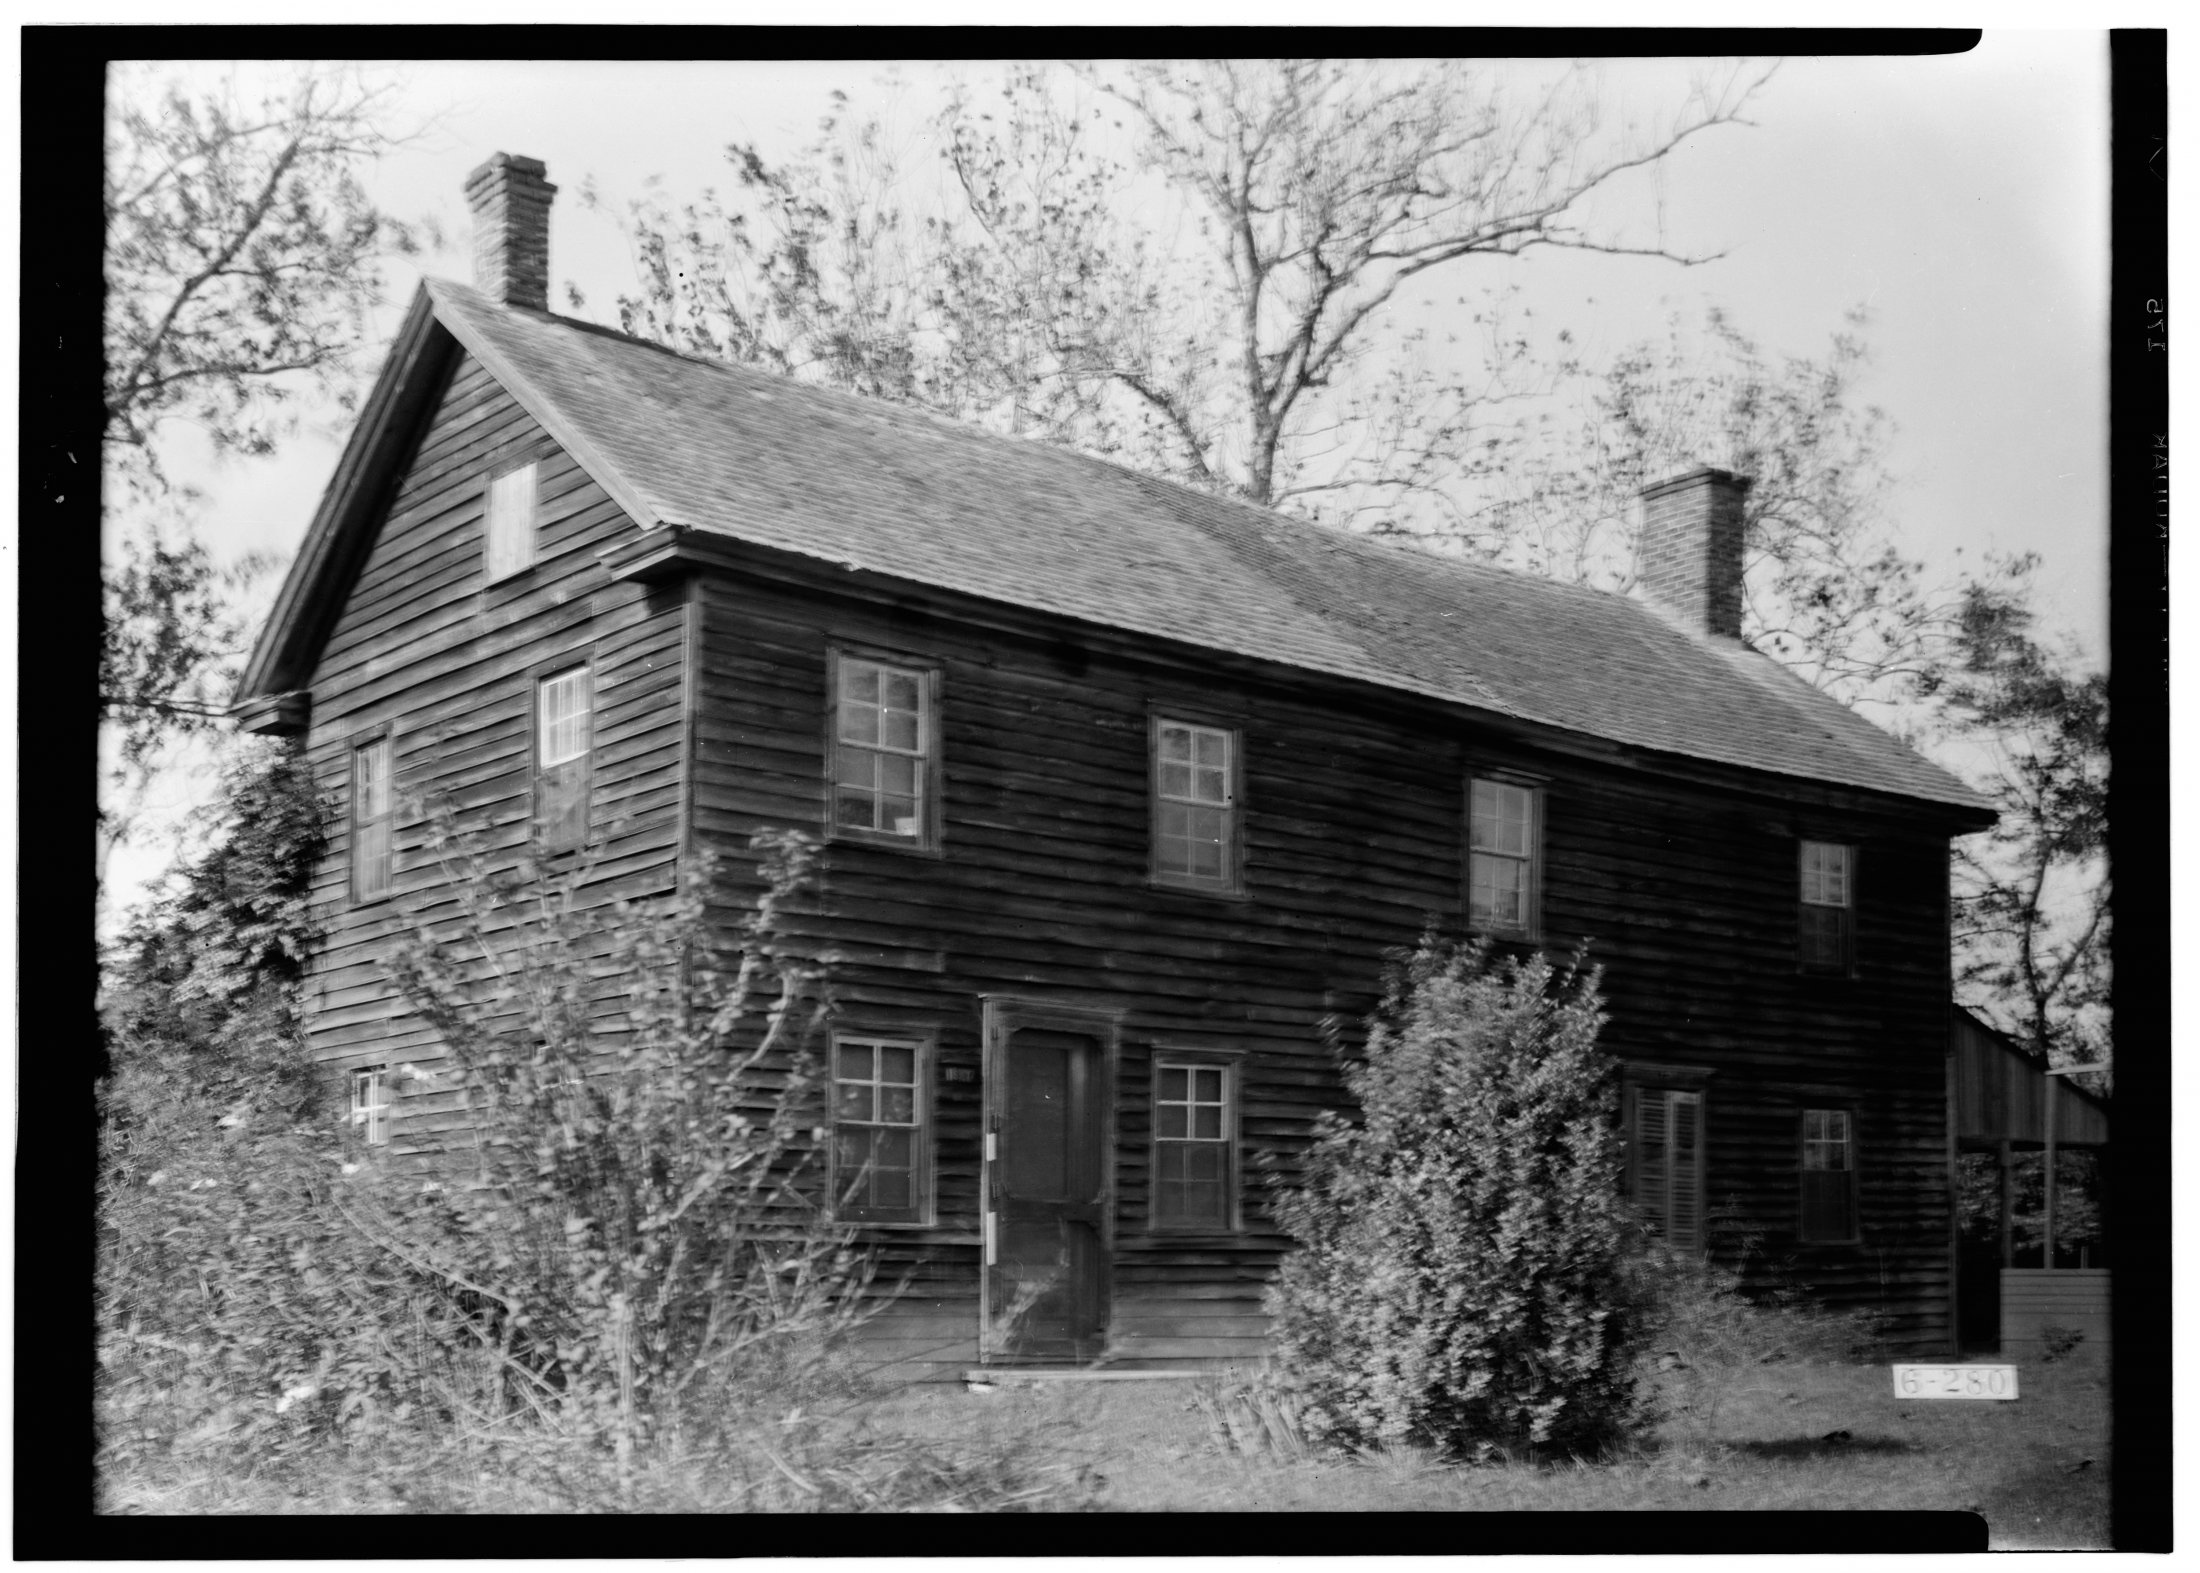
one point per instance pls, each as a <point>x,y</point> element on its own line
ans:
<point>1963,199</point>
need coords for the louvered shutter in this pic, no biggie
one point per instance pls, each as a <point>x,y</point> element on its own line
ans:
<point>1684,1164</point>
<point>1649,1156</point>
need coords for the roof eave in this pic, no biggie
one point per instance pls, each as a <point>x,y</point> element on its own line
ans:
<point>283,657</point>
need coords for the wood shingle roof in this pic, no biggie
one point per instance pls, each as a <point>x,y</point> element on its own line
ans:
<point>895,491</point>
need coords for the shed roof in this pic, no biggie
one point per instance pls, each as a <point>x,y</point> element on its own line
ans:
<point>880,487</point>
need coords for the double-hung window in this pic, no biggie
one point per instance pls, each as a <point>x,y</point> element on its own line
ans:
<point>564,736</point>
<point>1665,1162</point>
<point>1195,807</point>
<point>878,1154</point>
<point>1826,911</point>
<point>885,754</point>
<point>1829,1177</point>
<point>1502,855</point>
<point>370,819</point>
<point>508,523</point>
<point>370,1104</point>
<point>1194,1144</point>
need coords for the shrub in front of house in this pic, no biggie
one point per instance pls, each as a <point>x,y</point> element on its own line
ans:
<point>1461,1277</point>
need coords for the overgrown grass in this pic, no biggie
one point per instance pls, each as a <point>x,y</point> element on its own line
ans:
<point>1786,1436</point>
<point>860,1448</point>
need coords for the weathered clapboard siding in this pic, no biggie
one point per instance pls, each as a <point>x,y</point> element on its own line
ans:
<point>1681,879</point>
<point>447,663</point>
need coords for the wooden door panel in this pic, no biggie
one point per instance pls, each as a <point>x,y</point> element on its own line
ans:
<point>1048,1277</point>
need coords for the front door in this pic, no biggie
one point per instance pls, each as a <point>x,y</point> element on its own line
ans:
<point>1046,1276</point>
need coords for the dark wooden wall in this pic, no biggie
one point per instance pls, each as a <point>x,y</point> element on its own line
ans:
<point>1684,885</point>
<point>448,663</point>
<point>711,692</point>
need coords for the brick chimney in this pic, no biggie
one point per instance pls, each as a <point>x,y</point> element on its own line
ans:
<point>1688,558</point>
<point>511,203</point>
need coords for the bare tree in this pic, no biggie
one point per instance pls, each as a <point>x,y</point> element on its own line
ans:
<point>1190,266</point>
<point>242,260</point>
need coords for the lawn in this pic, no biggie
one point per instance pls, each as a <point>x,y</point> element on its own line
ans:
<point>1782,1437</point>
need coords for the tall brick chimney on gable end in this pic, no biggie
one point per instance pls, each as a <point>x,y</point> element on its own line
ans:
<point>511,203</point>
<point>1688,558</point>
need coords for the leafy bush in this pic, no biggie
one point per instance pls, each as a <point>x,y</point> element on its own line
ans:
<point>607,1284</point>
<point>630,1199</point>
<point>1460,1277</point>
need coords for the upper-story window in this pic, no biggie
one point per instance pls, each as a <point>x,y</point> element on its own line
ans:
<point>1826,911</point>
<point>564,739</point>
<point>1503,856</point>
<point>885,755</point>
<point>370,819</point>
<point>508,526</point>
<point>1195,807</point>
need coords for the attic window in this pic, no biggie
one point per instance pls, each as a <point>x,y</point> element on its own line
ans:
<point>509,523</point>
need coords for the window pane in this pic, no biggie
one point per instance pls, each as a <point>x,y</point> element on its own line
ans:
<point>895,1148</point>
<point>1211,748</point>
<point>1174,1082</point>
<point>1211,786</point>
<point>1168,1121</point>
<point>1206,859</point>
<point>1168,1163</point>
<point>897,774</point>
<point>854,808</point>
<point>902,691</point>
<point>854,1102</point>
<point>1176,742</point>
<point>898,814</point>
<point>1176,780</point>
<point>898,729</point>
<point>1207,1085</point>
<point>858,768</point>
<point>1207,1121</point>
<point>1203,1163</point>
<point>859,682</point>
<point>897,1063</point>
<point>858,723</point>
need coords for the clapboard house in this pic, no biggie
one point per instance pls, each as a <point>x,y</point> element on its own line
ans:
<point>1124,788</point>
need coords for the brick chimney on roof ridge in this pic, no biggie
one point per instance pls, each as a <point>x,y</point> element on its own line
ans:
<point>511,204</point>
<point>1688,557</point>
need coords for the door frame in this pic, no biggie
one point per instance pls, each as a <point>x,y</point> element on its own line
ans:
<point>1003,1017</point>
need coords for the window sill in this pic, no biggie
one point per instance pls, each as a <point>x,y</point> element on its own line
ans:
<point>841,835</point>
<point>1186,887</point>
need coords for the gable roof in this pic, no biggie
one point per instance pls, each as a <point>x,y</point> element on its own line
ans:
<point>879,487</point>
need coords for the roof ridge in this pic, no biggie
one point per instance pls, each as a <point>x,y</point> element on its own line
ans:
<point>1358,540</point>
<point>863,480</point>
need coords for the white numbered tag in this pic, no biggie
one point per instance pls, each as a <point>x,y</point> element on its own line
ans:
<point>1955,1381</point>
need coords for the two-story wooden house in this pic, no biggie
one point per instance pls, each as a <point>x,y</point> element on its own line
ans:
<point>1125,788</point>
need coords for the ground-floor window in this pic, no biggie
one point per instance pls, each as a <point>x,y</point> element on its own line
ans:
<point>879,1158</point>
<point>1665,1162</point>
<point>1194,1144</point>
<point>1829,1177</point>
<point>370,1104</point>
